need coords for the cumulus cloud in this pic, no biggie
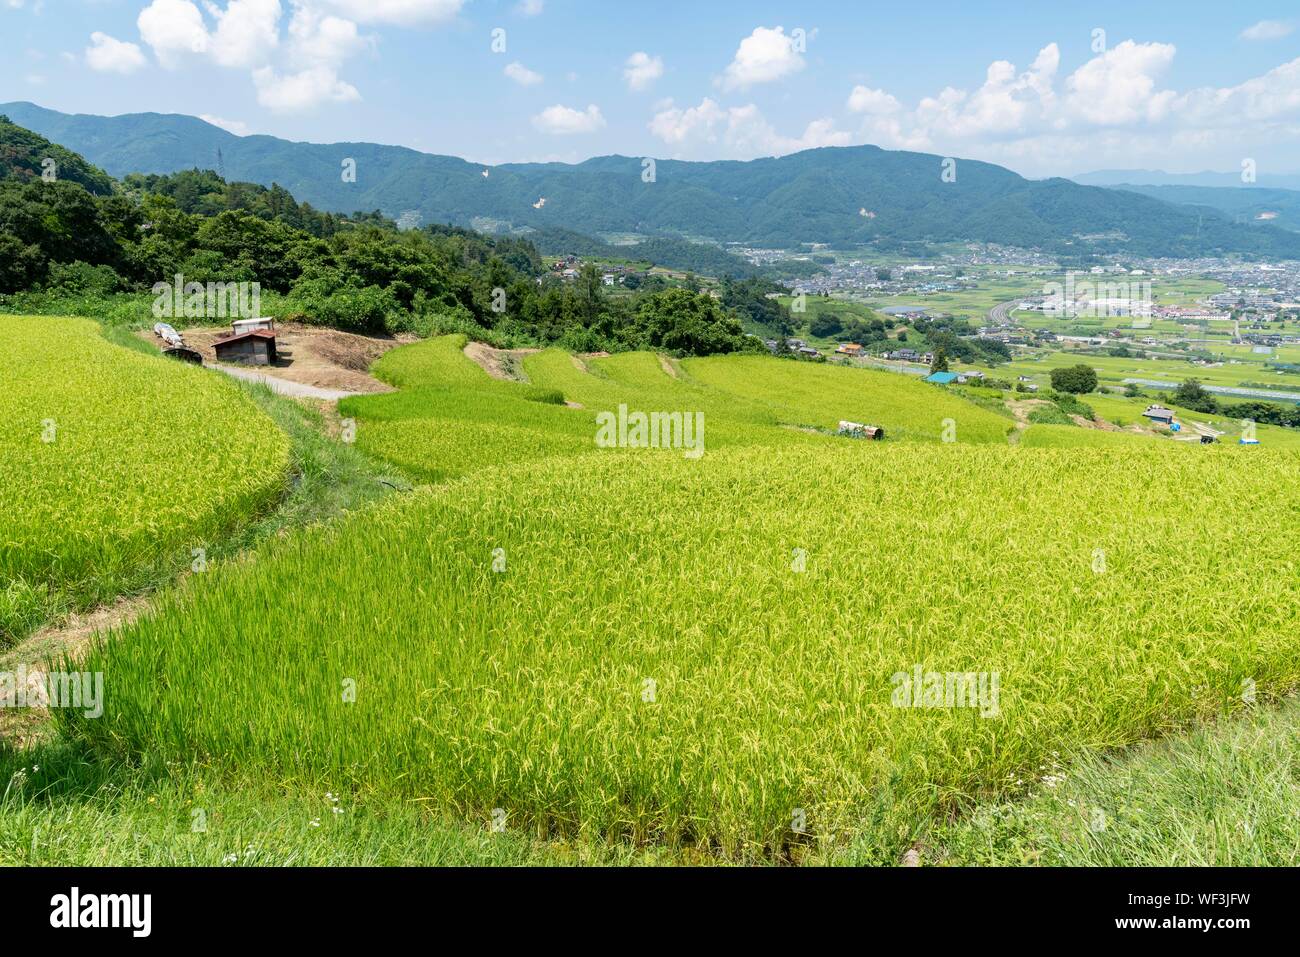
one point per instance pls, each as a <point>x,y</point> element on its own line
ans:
<point>317,38</point>
<point>1119,86</point>
<point>247,33</point>
<point>642,69</point>
<point>401,12</point>
<point>564,121</point>
<point>763,56</point>
<point>109,55</point>
<point>295,92</point>
<point>522,75</point>
<point>174,30</point>
<point>742,131</point>
<point>1258,102</point>
<point>1268,30</point>
<point>1114,107</point>
<point>873,102</point>
<point>291,70</point>
<point>674,125</point>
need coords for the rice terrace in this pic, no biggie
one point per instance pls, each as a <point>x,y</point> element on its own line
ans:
<point>778,503</point>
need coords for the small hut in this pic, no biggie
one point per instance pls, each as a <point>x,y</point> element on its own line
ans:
<point>255,348</point>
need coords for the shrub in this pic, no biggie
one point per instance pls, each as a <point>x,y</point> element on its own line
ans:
<point>548,396</point>
<point>1078,379</point>
<point>1070,405</point>
<point>79,277</point>
<point>351,308</point>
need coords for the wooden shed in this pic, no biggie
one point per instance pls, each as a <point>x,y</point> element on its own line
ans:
<point>256,348</point>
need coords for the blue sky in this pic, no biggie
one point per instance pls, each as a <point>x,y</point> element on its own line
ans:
<point>1033,86</point>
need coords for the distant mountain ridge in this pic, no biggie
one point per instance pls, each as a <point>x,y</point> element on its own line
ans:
<point>1207,178</point>
<point>843,196</point>
<point>1259,204</point>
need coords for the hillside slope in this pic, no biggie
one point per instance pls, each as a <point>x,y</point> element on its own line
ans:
<point>845,195</point>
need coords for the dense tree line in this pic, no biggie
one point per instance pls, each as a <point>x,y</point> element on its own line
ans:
<point>1192,395</point>
<point>359,273</point>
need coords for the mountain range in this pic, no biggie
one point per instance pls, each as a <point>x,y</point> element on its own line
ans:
<point>1157,177</point>
<point>843,196</point>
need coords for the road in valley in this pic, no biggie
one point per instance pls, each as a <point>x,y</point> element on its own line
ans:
<point>1000,315</point>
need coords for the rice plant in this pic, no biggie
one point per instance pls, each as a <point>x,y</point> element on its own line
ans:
<point>110,459</point>
<point>708,652</point>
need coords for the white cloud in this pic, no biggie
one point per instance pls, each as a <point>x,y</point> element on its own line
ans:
<point>174,29</point>
<point>874,102</point>
<point>1112,110</point>
<point>248,31</point>
<point>674,125</point>
<point>1268,30</point>
<point>530,8</point>
<point>304,90</point>
<point>401,12</point>
<point>317,38</point>
<point>109,55</point>
<point>522,75</point>
<point>238,127</point>
<point>1268,99</point>
<point>1119,86</point>
<point>763,56</point>
<point>642,69</point>
<point>245,34</point>
<point>742,131</point>
<point>562,120</point>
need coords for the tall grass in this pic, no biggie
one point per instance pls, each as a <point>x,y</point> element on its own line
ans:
<point>526,688</point>
<point>110,460</point>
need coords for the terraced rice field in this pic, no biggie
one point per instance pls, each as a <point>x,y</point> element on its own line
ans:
<point>707,652</point>
<point>110,459</point>
<point>450,418</point>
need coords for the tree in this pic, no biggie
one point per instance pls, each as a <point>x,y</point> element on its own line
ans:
<point>825,324</point>
<point>686,323</point>
<point>1192,395</point>
<point>1076,380</point>
<point>940,363</point>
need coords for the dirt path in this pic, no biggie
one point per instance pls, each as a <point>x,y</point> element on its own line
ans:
<point>297,390</point>
<point>23,727</point>
<point>507,364</point>
<point>1020,408</point>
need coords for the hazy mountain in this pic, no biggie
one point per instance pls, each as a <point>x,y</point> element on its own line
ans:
<point>1258,204</point>
<point>1155,177</point>
<point>843,196</point>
